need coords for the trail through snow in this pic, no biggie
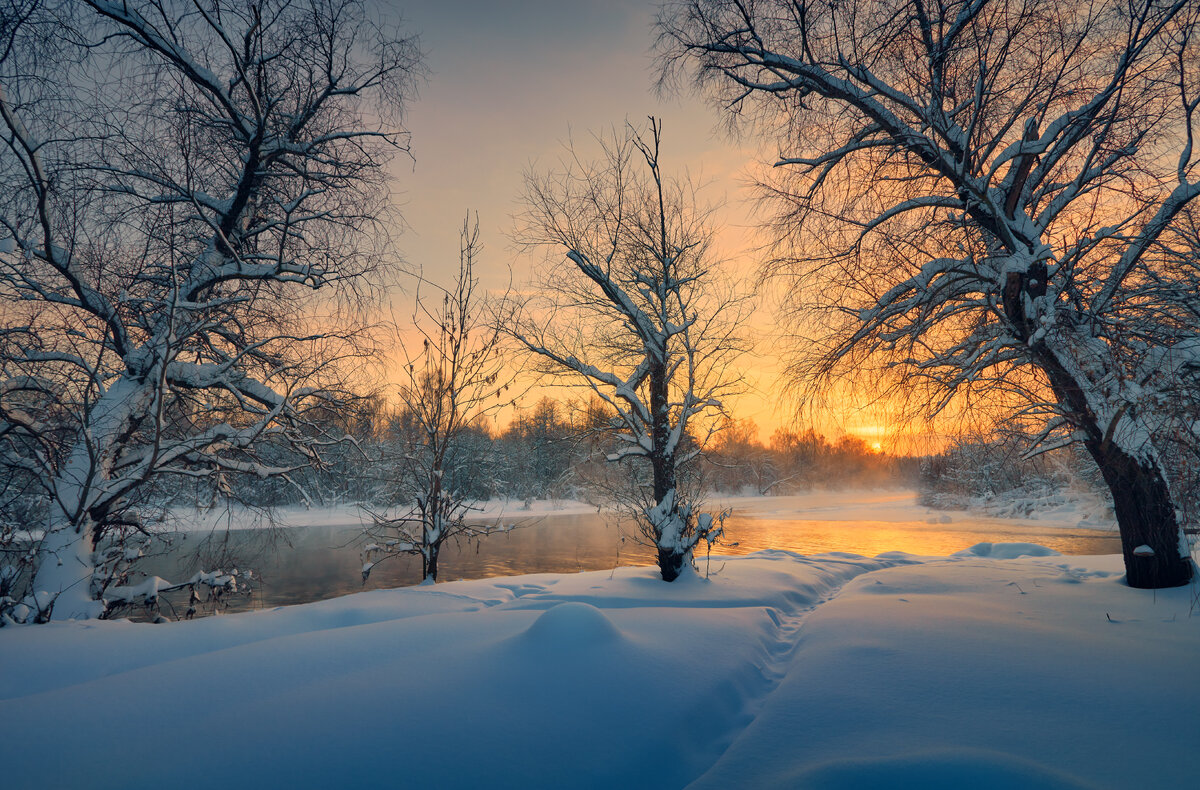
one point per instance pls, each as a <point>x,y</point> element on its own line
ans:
<point>821,673</point>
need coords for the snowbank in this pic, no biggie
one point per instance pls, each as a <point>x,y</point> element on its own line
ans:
<point>516,508</point>
<point>551,681</point>
<point>1035,673</point>
<point>1071,507</point>
<point>350,514</point>
<point>884,506</point>
<point>888,505</point>
<point>832,671</point>
<point>1006,551</point>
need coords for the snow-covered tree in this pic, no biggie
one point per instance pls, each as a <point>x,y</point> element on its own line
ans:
<point>454,379</point>
<point>633,307</point>
<point>190,191</point>
<point>986,197</point>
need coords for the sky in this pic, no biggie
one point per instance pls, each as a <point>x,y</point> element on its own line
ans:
<point>509,84</point>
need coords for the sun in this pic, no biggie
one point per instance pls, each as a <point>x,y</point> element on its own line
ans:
<point>876,447</point>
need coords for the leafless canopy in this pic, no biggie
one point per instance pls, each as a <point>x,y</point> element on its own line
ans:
<point>455,374</point>
<point>634,307</point>
<point>980,194</point>
<point>190,193</point>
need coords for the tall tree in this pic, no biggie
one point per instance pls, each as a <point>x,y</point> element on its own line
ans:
<point>190,192</point>
<point>636,311</point>
<point>986,197</point>
<point>455,379</point>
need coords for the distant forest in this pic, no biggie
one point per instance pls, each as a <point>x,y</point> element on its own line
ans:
<point>557,450</point>
<point>551,450</point>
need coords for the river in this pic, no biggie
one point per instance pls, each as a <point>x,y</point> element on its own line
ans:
<point>322,559</point>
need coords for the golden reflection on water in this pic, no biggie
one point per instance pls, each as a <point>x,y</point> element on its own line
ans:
<point>323,562</point>
<point>870,538</point>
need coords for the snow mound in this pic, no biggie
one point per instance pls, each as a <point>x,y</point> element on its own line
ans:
<point>942,770</point>
<point>572,623</point>
<point>1006,551</point>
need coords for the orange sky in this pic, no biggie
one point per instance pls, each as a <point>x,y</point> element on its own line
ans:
<point>509,84</point>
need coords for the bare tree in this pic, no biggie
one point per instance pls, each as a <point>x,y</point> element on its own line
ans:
<point>638,314</point>
<point>984,197</point>
<point>456,378</point>
<point>186,222</point>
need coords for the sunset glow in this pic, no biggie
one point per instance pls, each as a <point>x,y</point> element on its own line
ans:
<point>477,129</point>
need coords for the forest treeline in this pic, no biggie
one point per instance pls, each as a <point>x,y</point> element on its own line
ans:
<point>558,450</point>
<point>549,450</point>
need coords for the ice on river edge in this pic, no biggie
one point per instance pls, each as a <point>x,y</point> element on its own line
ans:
<point>884,505</point>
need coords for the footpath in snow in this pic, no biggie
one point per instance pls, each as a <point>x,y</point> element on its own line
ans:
<point>832,671</point>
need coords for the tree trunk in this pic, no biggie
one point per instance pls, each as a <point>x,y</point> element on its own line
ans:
<point>670,564</point>
<point>662,464</point>
<point>63,581</point>
<point>1150,538</point>
<point>429,564</point>
<point>1151,541</point>
<point>62,585</point>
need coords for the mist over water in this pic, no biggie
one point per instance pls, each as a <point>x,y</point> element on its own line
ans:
<point>316,562</point>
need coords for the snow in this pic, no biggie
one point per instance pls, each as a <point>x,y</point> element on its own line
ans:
<point>571,625</point>
<point>888,505</point>
<point>778,670</point>
<point>1068,510</point>
<point>884,505</point>
<point>1006,551</point>
<point>350,514</point>
<point>1037,673</point>
<point>516,508</point>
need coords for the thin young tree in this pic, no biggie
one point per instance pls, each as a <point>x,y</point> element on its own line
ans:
<point>457,377</point>
<point>190,193</point>
<point>984,198</point>
<point>634,308</point>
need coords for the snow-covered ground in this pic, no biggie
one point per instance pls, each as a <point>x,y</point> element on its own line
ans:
<point>881,505</point>
<point>1069,511</point>
<point>350,514</point>
<point>832,671</point>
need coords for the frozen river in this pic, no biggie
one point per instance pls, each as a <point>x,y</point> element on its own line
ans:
<point>319,556</point>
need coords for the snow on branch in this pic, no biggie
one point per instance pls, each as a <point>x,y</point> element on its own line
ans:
<point>649,331</point>
<point>193,293</point>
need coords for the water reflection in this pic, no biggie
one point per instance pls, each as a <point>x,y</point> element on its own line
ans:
<point>869,538</point>
<point>324,561</point>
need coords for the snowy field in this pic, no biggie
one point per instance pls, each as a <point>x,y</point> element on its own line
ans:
<point>351,514</point>
<point>880,505</point>
<point>1075,509</point>
<point>832,671</point>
